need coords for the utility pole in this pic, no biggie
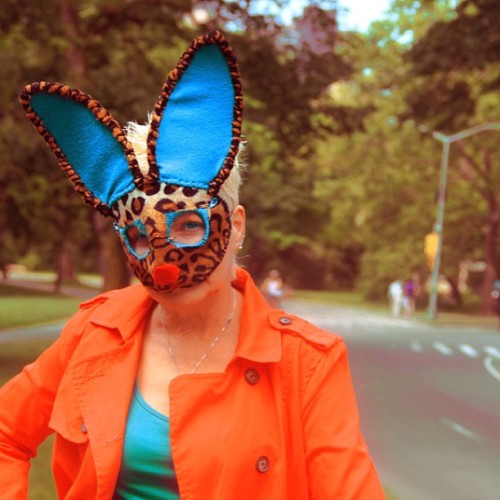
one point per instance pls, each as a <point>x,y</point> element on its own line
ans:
<point>446,140</point>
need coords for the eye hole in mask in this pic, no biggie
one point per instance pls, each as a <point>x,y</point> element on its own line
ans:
<point>188,228</point>
<point>136,239</point>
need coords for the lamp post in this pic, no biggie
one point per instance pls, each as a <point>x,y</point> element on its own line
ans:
<point>446,140</point>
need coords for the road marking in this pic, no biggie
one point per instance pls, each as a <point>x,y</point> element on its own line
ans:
<point>492,351</point>
<point>442,348</point>
<point>490,367</point>
<point>469,350</point>
<point>416,346</point>
<point>460,429</point>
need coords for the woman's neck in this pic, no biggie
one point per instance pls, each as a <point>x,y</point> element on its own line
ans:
<point>187,314</point>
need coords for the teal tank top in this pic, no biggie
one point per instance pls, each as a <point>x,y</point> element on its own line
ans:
<point>147,470</point>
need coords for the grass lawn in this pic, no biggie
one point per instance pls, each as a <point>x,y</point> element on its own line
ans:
<point>13,356</point>
<point>21,306</point>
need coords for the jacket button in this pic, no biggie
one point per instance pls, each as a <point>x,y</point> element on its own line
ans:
<point>84,428</point>
<point>285,321</point>
<point>252,376</point>
<point>262,464</point>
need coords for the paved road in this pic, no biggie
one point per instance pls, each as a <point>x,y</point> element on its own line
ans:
<point>51,330</point>
<point>429,399</point>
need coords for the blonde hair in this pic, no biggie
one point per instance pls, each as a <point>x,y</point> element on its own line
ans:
<point>230,190</point>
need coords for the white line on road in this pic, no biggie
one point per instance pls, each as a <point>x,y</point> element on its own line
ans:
<point>461,429</point>
<point>416,346</point>
<point>442,348</point>
<point>469,350</point>
<point>492,351</point>
<point>490,367</point>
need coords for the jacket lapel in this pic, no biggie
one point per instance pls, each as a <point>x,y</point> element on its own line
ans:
<point>103,376</point>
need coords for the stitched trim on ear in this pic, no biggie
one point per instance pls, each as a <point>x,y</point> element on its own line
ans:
<point>211,38</point>
<point>101,115</point>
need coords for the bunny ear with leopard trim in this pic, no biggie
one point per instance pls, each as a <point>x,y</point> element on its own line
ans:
<point>88,142</point>
<point>196,124</point>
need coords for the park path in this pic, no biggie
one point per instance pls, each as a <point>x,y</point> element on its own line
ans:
<point>48,286</point>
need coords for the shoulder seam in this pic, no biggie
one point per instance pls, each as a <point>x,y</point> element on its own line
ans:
<point>310,333</point>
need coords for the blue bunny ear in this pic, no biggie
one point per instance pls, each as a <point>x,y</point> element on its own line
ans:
<point>196,124</point>
<point>88,142</point>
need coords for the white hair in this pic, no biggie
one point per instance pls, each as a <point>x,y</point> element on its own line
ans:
<point>230,190</point>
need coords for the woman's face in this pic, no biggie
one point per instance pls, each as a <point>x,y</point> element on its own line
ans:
<point>174,238</point>
<point>220,278</point>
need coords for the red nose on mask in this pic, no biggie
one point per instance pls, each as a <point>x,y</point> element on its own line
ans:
<point>166,274</point>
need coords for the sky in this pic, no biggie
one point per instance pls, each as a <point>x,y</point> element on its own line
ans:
<point>360,13</point>
<point>354,14</point>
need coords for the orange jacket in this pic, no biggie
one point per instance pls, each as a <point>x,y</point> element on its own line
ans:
<point>280,423</point>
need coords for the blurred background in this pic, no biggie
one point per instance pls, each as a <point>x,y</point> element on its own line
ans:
<point>373,156</point>
<point>343,178</point>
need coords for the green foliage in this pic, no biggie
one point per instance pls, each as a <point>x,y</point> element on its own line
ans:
<point>341,185</point>
<point>466,42</point>
<point>41,485</point>
<point>456,62</point>
<point>15,355</point>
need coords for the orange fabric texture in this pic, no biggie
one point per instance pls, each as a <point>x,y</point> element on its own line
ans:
<point>280,423</point>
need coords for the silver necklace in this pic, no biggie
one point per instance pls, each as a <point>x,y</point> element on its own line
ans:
<point>210,348</point>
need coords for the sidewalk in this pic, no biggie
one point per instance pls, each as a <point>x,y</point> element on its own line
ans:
<point>45,283</point>
<point>70,291</point>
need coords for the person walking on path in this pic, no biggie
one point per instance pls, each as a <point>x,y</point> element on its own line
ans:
<point>395,295</point>
<point>272,288</point>
<point>409,298</point>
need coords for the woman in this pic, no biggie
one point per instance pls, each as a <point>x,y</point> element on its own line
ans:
<point>187,385</point>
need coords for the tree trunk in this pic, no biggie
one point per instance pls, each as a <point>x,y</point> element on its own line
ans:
<point>65,265</point>
<point>112,262</point>
<point>490,256</point>
<point>483,181</point>
<point>75,55</point>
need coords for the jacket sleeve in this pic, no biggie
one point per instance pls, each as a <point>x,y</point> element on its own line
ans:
<point>338,462</point>
<point>25,408</point>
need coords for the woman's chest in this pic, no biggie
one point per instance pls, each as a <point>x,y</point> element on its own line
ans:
<point>236,430</point>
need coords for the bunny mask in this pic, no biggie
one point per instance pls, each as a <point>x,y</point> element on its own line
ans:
<point>173,225</point>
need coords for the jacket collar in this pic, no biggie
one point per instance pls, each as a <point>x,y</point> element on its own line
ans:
<point>260,335</point>
<point>259,339</point>
<point>128,318</point>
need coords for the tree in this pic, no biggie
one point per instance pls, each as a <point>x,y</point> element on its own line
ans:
<point>92,45</point>
<point>380,181</point>
<point>457,63</point>
<point>288,75</point>
<point>86,45</point>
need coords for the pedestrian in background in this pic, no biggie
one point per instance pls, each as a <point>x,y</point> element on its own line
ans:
<point>395,295</point>
<point>272,288</point>
<point>409,297</point>
<point>187,385</point>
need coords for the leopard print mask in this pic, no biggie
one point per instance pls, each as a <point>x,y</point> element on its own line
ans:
<point>179,241</point>
<point>174,226</point>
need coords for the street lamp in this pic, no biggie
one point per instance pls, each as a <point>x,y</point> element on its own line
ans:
<point>446,140</point>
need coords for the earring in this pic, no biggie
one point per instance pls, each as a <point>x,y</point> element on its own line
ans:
<point>241,243</point>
